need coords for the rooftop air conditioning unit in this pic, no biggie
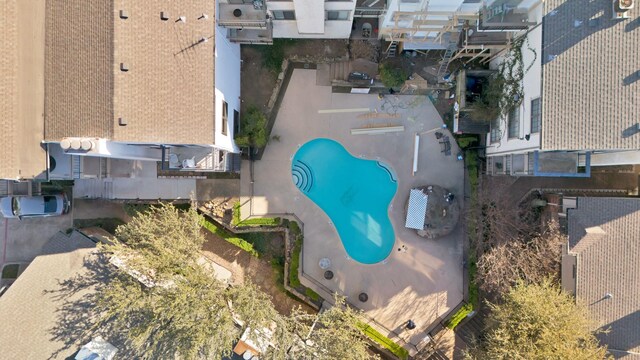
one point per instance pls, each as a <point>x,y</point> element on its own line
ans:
<point>625,4</point>
<point>621,9</point>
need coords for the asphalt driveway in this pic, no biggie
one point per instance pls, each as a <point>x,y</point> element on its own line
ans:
<point>22,240</point>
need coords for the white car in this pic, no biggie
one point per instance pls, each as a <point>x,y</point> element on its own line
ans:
<point>34,206</point>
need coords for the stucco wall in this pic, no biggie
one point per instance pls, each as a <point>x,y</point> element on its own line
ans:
<point>310,19</point>
<point>227,85</point>
<point>532,89</point>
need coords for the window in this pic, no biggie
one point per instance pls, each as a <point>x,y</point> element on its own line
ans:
<point>495,133</point>
<point>225,117</point>
<point>236,122</point>
<point>514,123</point>
<point>283,14</point>
<point>409,1</point>
<point>338,15</point>
<point>535,115</point>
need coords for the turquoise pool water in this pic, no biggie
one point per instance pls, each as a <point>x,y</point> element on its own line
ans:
<point>354,193</point>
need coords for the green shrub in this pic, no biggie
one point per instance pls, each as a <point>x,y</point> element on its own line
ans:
<point>392,77</point>
<point>236,214</point>
<point>294,281</point>
<point>384,341</point>
<point>459,316</point>
<point>294,228</point>
<point>253,131</point>
<point>133,209</point>
<point>229,237</point>
<point>312,294</point>
<point>473,286</point>
<point>466,141</point>
<point>273,55</point>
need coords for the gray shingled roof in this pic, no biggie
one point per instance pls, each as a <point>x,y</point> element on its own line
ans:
<point>591,77</point>
<point>166,96</point>
<point>604,234</point>
<point>30,309</point>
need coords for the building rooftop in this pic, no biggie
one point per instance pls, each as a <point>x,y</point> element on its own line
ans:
<point>591,79</point>
<point>149,65</point>
<point>21,83</point>
<point>32,307</point>
<point>604,235</point>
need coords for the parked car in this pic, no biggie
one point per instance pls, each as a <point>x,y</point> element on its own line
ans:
<point>34,206</point>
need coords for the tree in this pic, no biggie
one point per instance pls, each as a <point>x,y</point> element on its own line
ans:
<point>532,260</point>
<point>166,304</point>
<point>392,77</point>
<point>182,310</point>
<point>253,131</point>
<point>539,321</point>
<point>328,335</point>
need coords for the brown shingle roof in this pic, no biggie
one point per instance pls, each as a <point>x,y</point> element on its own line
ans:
<point>604,234</point>
<point>21,85</point>
<point>167,94</point>
<point>78,69</point>
<point>591,78</point>
<point>8,88</point>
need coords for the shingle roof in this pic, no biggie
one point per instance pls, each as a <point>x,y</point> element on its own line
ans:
<point>604,233</point>
<point>8,87</point>
<point>31,306</point>
<point>21,155</point>
<point>167,94</point>
<point>78,69</point>
<point>591,78</point>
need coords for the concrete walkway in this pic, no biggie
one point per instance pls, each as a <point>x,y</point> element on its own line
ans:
<point>421,284</point>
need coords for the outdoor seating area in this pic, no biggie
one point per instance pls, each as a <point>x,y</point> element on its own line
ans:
<point>445,143</point>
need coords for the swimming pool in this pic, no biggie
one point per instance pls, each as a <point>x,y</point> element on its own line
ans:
<point>354,193</point>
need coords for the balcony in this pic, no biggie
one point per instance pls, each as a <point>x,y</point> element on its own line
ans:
<point>252,36</point>
<point>246,23</point>
<point>194,159</point>
<point>504,15</point>
<point>370,8</point>
<point>242,16</point>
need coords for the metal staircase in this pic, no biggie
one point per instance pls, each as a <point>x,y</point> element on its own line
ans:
<point>446,59</point>
<point>76,166</point>
<point>392,49</point>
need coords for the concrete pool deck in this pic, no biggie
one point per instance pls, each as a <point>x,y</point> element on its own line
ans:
<point>423,283</point>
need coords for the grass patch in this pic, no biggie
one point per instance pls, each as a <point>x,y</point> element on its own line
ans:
<point>459,316</point>
<point>294,281</point>
<point>312,294</point>
<point>296,233</point>
<point>107,224</point>
<point>260,222</point>
<point>236,221</point>
<point>384,341</point>
<point>229,237</point>
<point>273,55</point>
